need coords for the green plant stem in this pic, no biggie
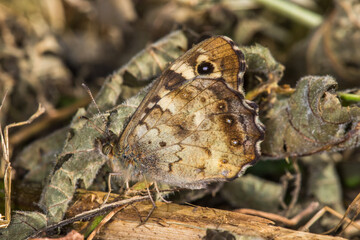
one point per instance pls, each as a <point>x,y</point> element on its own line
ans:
<point>349,97</point>
<point>293,11</point>
<point>93,225</point>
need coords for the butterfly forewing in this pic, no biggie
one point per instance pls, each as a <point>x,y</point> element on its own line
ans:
<point>194,126</point>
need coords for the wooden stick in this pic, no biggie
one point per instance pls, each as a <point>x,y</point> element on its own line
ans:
<point>173,221</point>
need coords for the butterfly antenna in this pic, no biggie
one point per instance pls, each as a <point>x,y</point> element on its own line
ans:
<point>97,107</point>
<point>93,124</point>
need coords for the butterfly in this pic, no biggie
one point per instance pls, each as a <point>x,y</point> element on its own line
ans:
<point>194,126</point>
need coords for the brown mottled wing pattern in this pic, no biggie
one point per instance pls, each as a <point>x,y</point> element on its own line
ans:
<point>194,126</point>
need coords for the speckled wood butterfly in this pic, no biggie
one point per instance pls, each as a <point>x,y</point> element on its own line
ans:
<point>194,126</point>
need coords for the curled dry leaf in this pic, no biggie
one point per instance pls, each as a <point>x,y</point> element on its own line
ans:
<point>263,71</point>
<point>311,120</point>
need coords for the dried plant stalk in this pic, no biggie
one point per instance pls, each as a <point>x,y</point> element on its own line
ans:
<point>6,161</point>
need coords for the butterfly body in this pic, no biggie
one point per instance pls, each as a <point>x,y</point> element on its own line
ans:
<point>194,126</point>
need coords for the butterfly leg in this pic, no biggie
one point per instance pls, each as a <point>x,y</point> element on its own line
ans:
<point>153,203</point>
<point>109,186</point>
<point>148,216</point>
<point>127,187</point>
<point>127,178</point>
<point>159,193</point>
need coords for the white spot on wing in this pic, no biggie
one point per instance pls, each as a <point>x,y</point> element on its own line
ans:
<point>140,130</point>
<point>188,73</point>
<point>202,58</point>
<point>151,104</point>
<point>164,103</point>
<point>172,107</point>
<point>198,119</point>
<point>184,69</point>
<point>176,66</point>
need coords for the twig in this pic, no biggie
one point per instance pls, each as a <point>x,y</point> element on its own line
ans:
<point>351,213</point>
<point>284,184</point>
<point>58,115</point>
<point>91,213</point>
<point>6,158</point>
<point>277,218</point>
<point>105,220</point>
<point>297,182</point>
<point>172,221</point>
<point>322,212</point>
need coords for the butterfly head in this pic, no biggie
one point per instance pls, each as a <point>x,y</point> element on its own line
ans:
<point>107,144</point>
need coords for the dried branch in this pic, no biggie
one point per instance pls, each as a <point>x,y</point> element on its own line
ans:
<point>7,164</point>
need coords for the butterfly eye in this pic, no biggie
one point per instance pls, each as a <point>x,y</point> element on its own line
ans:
<point>205,68</point>
<point>106,149</point>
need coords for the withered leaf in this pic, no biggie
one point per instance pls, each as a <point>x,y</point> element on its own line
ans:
<point>263,71</point>
<point>39,157</point>
<point>325,186</point>
<point>147,64</point>
<point>23,224</point>
<point>253,192</point>
<point>260,61</point>
<point>311,120</point>
<point>81,159</point>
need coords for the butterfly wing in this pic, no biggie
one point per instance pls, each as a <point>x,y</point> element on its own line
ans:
<point>194,126</point>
